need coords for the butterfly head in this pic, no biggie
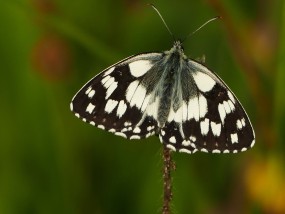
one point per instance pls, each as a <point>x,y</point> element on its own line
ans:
<point>177,49</point>
<point>178,45</point>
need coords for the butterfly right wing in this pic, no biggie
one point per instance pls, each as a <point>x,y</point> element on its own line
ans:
<point>209,117</point>
<point>118,98</point>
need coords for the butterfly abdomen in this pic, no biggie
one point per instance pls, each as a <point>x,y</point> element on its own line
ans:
<point>169,83</point>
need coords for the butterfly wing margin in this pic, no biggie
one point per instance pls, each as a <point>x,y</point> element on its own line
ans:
<point>110,104</point>
<point>210,118</point>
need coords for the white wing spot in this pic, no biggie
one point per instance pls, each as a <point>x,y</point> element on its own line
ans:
<point>171,147</point>
<point>227,107</point>
<point>137,130</point>
<point>88,90</point>
<point>122,107</point>
<point>226,151</point>
<point>234,138</point>
<point>149,134</point>
<point>178,115</point>
<point>222,112</point>
<point>204,150</point>
<point>77,115</point>
<point>243,122</point>
<point>204,82</point>
<point>149,128</point>
<point>135,137</point>
<point>112,130</point>
<point>90,108</point>
<point>120,134</point>
<point>231,105</point>
<point>216,151</point>
<point>109,71</point>
<point>101,127</point>
<point>92,123</point>
<point>131,90</point>
<point>110,105</point>
<point>105,79</point>
<point>109,82</point>
<point>172,139</point>
<point>152,109</point>
<point>185,151</point>
<point>243,149</point>
<point>252,143</point>
<point>127,123</point>
<point>145,103</point>
<point>239,124</point>
<point>216,128</point>
<point>162,132</point>
<point>193,109</point>
<point>192,138</point>
<point>138,97</point>
<point>186,142</point>
<point>140,67</point>
<point>231,96</point>
<point>71,106</point>
<point>91,94</point>
<point>111,89</point>
<point>203,108</point>
<point>204,125</point>
<point>124,130</point>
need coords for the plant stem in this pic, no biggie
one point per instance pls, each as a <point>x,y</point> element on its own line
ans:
<point>168,165</point>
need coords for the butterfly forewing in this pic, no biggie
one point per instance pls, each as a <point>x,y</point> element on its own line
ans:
<point>117,98</point>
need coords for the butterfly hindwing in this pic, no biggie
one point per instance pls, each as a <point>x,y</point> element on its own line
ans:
<point>116,99</point>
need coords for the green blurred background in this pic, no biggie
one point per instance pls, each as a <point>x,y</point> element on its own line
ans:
<point>51,162</point>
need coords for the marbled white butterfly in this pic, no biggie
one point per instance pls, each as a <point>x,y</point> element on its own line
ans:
<point>169,95</point>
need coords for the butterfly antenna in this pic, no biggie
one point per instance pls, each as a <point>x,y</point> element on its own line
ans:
<point>157,11</point>
<point>207,22</point>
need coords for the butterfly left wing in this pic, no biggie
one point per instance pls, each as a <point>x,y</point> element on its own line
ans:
<point>209,117</point>
<point>116,99</point>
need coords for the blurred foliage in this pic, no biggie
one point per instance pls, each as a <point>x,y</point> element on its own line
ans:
<point>51,162</point>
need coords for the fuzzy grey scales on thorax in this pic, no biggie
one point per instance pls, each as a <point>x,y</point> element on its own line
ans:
<point>167,94</point>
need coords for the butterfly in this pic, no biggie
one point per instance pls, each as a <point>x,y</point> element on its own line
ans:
<point>168,95</point>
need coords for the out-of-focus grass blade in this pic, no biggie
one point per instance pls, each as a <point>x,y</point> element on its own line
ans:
<point>95,46</point>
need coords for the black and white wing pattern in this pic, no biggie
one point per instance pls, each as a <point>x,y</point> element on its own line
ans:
<point>117,99</point>
<point>166,94</point>
<point>209,118</point>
